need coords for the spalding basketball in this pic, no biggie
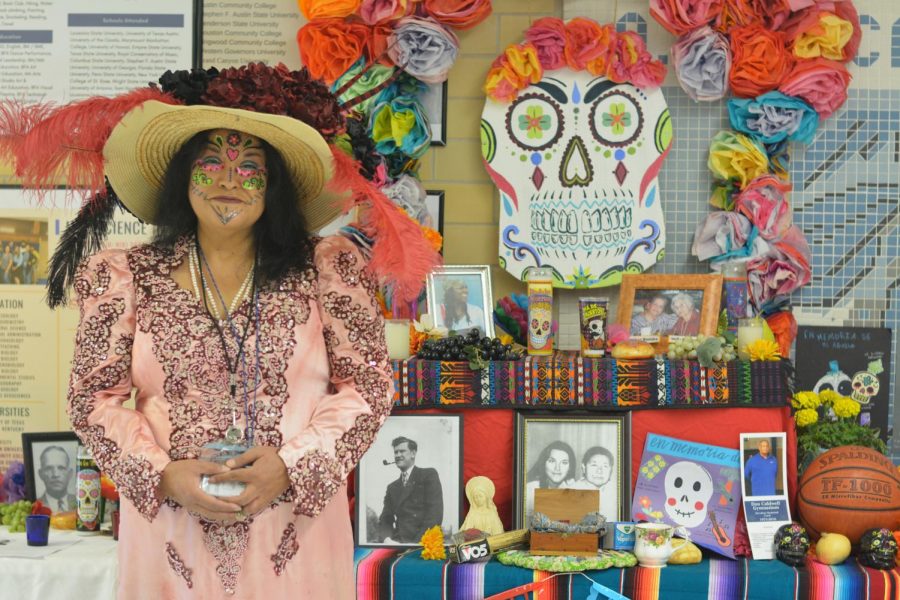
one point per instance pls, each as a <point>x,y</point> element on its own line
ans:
<point>848,490</point>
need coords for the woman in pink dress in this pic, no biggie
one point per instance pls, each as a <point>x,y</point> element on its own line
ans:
<point>234,327</point>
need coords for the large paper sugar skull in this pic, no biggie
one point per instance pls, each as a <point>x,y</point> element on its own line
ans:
<point>576,159</point>
<point>689,488</point>
<point>865,386</point>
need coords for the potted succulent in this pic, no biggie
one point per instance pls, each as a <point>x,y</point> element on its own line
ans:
<point>827,420</point>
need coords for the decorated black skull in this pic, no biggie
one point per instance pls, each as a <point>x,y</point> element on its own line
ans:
<point>878,549</point>
<point>791,544</point>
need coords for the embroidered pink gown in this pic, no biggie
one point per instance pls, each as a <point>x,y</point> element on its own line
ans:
<point>326,388</point>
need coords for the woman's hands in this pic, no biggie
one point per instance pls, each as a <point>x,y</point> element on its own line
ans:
<point>181,482</point>
<point>264,473</point>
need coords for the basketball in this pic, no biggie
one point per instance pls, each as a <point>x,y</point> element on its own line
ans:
<point>848,490</point>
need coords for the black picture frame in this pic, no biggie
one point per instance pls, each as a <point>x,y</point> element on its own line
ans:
<point>375,484</point>
<point>540,430</point>
<point>434,202</point>
<point>434,101</point>
<point>33,445</point>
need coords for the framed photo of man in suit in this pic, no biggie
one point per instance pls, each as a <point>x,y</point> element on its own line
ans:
<point>50,468</point>
<point>410,480</point>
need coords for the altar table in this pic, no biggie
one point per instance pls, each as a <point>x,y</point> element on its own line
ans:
<point>389,574</point>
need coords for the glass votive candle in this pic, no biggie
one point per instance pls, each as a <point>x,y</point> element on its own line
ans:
<point>749,330</point>
<point>37,529</point>
<point>396,332</point>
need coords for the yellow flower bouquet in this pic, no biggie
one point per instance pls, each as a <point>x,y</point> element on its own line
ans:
<point>827,420</point>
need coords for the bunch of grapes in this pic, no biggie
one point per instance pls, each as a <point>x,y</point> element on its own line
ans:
<point>13,515</point>
<point>458,347</point>
<point>686,348</point>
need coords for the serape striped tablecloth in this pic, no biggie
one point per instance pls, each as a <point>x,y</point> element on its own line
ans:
<point>387,574</point>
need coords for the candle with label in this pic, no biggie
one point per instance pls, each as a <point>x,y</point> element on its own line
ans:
<point>396,331</point>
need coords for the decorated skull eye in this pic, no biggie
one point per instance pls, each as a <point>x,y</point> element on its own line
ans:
<point>616,119</point>
<point>546,326</point>
<point>534,122</point>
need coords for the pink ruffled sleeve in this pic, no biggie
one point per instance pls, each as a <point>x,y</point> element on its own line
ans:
<point>344,423</point>
<point>119,438</point>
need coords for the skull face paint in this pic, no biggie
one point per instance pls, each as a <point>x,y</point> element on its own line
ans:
<point>229,176</point>
<point>689,488</point>
<point>575,158</point>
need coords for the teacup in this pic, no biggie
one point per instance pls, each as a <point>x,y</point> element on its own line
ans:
<point>653,543</point>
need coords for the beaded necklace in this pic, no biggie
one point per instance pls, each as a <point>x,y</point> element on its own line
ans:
<point>234,434</point>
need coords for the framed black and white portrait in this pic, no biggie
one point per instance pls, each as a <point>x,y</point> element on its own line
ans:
<point>410,480</point>
<point>583,452</point>
<point>459,297</point>
<point>50,465</point>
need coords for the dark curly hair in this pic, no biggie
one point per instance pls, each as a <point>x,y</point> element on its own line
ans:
<point>283,241</point>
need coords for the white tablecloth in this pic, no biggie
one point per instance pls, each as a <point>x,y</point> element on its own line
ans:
<point>86,569</point>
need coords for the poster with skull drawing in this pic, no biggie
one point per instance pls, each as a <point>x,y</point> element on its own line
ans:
<point>575,158</point>
<point>696,486</point>
<point>854,362</point>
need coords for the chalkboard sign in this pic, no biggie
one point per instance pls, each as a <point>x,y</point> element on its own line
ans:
<point>853,361</point>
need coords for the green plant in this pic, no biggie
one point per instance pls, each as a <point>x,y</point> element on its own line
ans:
<point>829,420</point>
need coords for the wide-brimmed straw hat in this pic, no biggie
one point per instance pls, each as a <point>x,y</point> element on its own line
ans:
<point>141,146</point>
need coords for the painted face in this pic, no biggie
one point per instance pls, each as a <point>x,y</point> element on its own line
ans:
<point>575,158</point>
<point>403,456</point>
<point>597,470</point>
<point>229,178</point>
<point>557,466</point>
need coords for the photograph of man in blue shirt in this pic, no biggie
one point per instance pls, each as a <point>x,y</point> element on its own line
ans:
<point>761,471</point>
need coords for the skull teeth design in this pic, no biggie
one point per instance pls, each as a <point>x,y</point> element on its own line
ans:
<point>589,225</point>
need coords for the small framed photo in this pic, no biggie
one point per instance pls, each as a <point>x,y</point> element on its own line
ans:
<point>459,298</point>
<point>582,452</point>
<point>434,101</point>
<point>656,307</point>
<point>764,466</point>
<point>50,468</point>
<point>410,480</point>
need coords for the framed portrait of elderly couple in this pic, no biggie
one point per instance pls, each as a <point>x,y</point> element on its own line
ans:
<point>410,480</point>
<point>566,451</point>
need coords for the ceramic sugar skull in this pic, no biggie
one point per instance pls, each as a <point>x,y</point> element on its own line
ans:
<point>575,157</point>
<point>878,549</point>
<point>689,488</point>
<point>791,544</point>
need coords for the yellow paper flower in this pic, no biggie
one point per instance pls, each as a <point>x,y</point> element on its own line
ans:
<point>523,61</point>
<point>827,39</point>
<point>806,417</point>
<point>829,397</point>
<point>733,156</point>
<point>433,544</point>
<point>809,400</point>
<point>846,408</point>
<point>763,350</point>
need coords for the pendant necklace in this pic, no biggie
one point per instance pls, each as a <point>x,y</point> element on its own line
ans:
<point>234,434</point>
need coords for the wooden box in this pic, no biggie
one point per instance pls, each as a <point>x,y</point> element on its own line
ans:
<point>568,506</point>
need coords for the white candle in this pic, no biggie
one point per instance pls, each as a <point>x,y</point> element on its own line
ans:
<point>749,330</point>
<point>396,331</point>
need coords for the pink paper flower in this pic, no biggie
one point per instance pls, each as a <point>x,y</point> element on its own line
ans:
<point>682,16</point>
<point>764,201</point>
<point>548,36</point>
<point>821,83</point>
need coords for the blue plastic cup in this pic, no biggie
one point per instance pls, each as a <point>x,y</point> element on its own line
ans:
<point>37,529</point>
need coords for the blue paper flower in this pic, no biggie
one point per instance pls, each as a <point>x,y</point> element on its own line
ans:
<point>400,126</point>
<point>774,117</point>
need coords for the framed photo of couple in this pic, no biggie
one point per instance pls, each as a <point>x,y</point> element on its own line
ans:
<point>582,452</point>
<point>657,307</point>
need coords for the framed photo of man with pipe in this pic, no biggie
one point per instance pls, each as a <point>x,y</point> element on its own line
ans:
<point>410,480</point>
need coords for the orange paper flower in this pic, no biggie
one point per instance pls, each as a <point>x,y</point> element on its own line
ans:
<point>459,14</point>
<point>586,40</point>
<point>433,544</point>
<point>759,60</point>
<point>329,46</point>
<point>325,9</point>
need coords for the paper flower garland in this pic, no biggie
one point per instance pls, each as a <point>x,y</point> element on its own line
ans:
<point>378,57</point>
<point>783,62</point>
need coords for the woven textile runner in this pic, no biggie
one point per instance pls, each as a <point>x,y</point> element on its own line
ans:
<point>571,381</point>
